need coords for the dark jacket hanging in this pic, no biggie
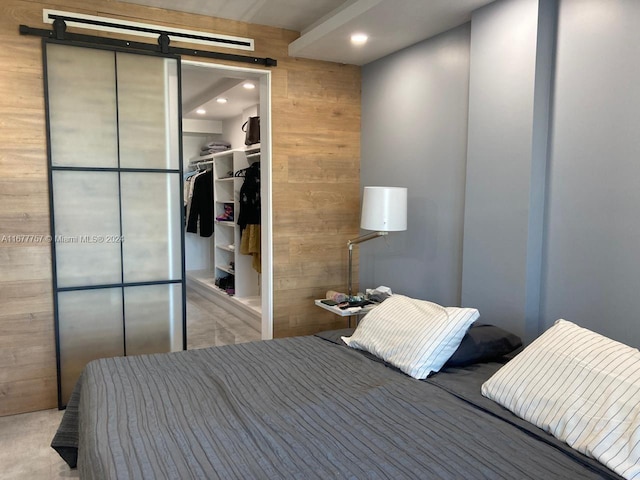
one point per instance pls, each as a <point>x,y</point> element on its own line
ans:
<point>250,197</point>
<point>202,206</point>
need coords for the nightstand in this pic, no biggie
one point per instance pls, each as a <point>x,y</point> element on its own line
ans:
<point>355,312</point>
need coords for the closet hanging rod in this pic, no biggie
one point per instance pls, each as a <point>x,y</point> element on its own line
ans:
<point>200,162</point>
<point>59,33</point>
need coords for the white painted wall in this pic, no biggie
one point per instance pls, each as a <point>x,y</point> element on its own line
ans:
<point>232,128</point>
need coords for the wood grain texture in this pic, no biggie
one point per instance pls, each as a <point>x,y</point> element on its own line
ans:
<point>315,168</point>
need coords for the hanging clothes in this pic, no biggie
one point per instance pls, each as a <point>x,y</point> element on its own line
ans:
<point>250,243</point>
<point>250,214</point>
<point>201,208</point>
<point>188,191</point>
<point>250,205</point>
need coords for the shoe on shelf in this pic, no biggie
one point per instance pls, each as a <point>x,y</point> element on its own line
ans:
<point>225,283</point>
<point>227,216</point>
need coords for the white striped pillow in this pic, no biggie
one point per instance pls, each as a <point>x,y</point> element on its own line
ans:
<point>416,336</point>
<point>582,388</point>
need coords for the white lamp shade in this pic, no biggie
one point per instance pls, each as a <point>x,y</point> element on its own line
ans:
<point>384,209</point>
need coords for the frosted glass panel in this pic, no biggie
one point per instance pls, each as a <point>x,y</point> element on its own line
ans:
<point>154,319</point>
<point>82,106</point>
<point>148,112</point>
<point>151,226</point>
<point>114,111</point>
<point>90,324</point>
<point>87,221</point>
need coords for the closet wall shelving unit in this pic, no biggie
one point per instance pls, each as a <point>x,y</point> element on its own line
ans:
<point>227,259</point>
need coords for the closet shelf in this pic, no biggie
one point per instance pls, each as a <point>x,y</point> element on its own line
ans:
<point>220,290</point>
<point>226,192</point>
<point>227,269</point>
<point>201,158</point>
<point>213,156</point>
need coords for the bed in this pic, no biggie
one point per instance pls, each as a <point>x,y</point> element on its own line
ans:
<point>303,407</point>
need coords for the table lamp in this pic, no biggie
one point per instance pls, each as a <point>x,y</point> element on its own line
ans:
<point>384,209</point>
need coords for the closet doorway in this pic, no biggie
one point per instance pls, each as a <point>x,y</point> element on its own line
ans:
<point>228,243</point>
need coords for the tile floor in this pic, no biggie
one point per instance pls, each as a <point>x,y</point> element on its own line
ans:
<point>25,453</point>
<point>209,325</point>
<point>24,447</point>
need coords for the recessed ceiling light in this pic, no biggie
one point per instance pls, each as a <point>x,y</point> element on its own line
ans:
<point>359,38</point>
<point>221,100</point>
<point>201,111</point>
<point>248,85</point>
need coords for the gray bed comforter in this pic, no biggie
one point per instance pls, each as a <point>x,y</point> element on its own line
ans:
<point>297,408</point>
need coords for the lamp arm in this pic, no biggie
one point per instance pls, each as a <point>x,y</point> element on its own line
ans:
<point>364,238</point>
<point>350,244</point>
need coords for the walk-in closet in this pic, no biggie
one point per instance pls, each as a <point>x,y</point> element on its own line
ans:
<point>222,158</point>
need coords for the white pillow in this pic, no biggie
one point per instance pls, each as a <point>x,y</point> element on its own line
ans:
<point>416,336</point>
<point>582,388</point>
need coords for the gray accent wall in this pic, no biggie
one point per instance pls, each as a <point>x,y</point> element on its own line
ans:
<point>592,261</point>
<point>510,85</point>
<point>519,140</point>
<point>414,134</point>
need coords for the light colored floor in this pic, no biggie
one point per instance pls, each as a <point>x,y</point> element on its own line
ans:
<point>25,453</point>
<point>209,325</point>
<point>24,447</point>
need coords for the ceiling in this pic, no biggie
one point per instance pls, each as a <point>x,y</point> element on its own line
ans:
<point>201,87</point>
<point>326,25</point>
<point>290,14</point>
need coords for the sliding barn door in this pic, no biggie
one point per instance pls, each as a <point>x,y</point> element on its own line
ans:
<point>113,122</point>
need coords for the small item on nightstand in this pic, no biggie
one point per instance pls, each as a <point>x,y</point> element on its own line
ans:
<point>352,304</point>
<point>331,303</point>
<point>379,294</point>
<point>336,296</point>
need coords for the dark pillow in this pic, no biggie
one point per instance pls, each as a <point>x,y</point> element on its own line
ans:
<point>483,343</point>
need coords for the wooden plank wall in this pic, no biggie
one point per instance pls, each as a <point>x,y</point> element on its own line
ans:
<point>316,160</point>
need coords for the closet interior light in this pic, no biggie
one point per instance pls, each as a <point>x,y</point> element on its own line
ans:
<point>248,85</point>
<point>201,111</point>
<point>359,38</point>
<point>221,100</point>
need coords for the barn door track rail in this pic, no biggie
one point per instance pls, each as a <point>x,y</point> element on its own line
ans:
<point>59,32</point>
